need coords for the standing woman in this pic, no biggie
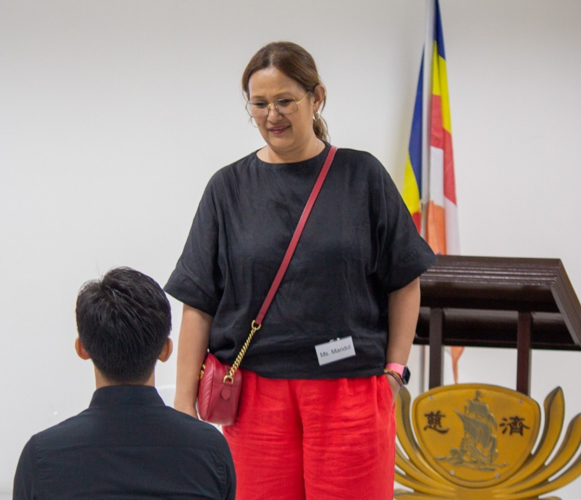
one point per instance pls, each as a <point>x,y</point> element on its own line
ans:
<point>304,430</point>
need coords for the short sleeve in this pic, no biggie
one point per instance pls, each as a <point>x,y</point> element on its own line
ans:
<point>196,279</point>
<point>402,255</point>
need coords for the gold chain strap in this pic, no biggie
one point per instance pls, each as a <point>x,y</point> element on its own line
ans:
<point>230,376</point>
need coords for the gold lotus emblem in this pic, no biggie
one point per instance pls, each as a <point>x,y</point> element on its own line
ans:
<point>475,441</point>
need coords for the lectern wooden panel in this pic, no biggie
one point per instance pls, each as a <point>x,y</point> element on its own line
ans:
<point>521,303</point>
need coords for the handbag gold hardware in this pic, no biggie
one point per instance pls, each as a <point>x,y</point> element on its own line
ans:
<point>230,376</point>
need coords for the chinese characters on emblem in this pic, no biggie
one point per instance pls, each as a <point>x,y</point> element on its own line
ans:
<point>514,425</point>
<point>435,422</point>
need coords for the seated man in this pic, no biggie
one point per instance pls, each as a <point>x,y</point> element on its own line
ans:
<point>127,444</point>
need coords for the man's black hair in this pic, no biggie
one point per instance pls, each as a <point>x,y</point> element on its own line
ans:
<point>123,320</point>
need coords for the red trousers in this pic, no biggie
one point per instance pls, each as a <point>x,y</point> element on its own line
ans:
<point>314,439</point>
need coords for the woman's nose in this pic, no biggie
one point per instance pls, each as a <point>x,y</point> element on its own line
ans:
<point>273,113</point>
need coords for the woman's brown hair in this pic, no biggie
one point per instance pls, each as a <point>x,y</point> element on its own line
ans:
<point>296,63</point>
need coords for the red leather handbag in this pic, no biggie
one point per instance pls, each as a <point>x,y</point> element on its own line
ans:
<point>217,394</point>
<point>220,385</point>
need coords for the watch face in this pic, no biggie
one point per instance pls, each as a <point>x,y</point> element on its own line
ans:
<point>405,376</point>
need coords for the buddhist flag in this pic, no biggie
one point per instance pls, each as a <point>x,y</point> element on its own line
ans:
<point>429,188</point>
<point>441,211</point>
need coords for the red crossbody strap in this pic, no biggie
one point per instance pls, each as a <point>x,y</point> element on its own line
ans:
<point>296,236</point>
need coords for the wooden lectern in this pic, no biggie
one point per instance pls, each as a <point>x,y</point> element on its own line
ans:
<point>521,303</point>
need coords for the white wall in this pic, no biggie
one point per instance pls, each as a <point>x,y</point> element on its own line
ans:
<point>114,114</point>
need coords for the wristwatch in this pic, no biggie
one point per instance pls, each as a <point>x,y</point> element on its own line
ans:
<point>401,372</point>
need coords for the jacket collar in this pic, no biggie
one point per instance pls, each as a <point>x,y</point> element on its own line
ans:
<point>123,395</point>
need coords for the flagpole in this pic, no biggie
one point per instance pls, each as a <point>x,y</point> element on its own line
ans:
<point>426,95</point>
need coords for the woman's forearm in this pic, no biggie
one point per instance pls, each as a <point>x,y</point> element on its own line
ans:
<point>192,347</point>
<point>402,312</point>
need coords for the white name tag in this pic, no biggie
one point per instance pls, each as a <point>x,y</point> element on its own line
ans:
<point>335,350</point>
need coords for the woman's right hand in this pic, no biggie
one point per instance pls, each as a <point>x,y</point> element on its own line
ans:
<point>192,348</point>
<point>185,407</point>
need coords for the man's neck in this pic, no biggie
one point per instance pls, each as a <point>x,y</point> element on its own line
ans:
<point>102,381</point>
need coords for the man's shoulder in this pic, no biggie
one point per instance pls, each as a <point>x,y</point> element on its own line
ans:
<point>60,430</point>
<point>193,427</point>
<point>131,424</point>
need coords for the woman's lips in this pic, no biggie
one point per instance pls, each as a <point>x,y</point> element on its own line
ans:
<point>278,130</point>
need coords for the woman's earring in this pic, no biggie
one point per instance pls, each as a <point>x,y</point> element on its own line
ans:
<point>253,122</point>
<point>316,116</point>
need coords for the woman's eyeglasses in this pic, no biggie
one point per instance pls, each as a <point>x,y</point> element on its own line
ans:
<point>287,106</point>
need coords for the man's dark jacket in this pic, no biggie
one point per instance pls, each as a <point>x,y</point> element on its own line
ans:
<point>127,444</point>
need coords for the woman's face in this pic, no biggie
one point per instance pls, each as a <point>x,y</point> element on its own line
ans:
<point>288,137</point>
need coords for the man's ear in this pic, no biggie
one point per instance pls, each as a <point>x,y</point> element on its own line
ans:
<point>81,351</point>
<point>166,351</point>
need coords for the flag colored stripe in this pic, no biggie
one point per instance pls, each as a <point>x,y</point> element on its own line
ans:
<point>415,146</point>
<point>436,228</point>
<point>449,178</point>
<point>435,71</point>
<point>411,191</point>
<point>412,181</point>
<point>443,91</point>
<point>437,131</point>
<point>437,176</point>
<point>438,32</point>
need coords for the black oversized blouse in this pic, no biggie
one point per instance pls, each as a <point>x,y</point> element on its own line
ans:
<point>359,245</point>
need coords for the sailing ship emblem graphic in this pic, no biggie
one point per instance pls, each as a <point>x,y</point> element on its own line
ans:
<point>478,446</point>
